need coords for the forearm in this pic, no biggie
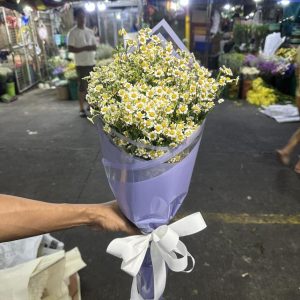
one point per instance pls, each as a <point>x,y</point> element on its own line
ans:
<point>20,217</point>
<point>81,49</point>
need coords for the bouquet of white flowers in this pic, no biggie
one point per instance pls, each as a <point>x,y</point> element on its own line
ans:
<point>150,104</point>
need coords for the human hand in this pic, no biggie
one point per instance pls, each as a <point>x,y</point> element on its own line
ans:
<point>108,216</point>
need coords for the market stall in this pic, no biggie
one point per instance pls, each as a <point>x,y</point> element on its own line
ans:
<point>256,46</point>
<point>22,46</point>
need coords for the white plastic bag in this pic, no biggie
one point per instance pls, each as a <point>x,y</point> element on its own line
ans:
<point>23,250</point>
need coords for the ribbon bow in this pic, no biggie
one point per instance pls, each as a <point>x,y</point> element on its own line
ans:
<point>165,247</point>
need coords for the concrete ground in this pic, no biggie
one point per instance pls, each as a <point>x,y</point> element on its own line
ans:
<point>47,152</point>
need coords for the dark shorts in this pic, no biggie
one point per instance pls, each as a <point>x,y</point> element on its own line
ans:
<point>83,71</point>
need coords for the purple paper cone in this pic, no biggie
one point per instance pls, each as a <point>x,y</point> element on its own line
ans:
<point>149,193</point>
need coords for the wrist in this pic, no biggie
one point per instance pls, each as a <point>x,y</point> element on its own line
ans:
<point>94,213</point>
<point>76,214</point>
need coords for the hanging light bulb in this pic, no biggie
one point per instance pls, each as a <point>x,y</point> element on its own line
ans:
<point>101,6</point>
<point>89,6</point>
<point>227,6</point>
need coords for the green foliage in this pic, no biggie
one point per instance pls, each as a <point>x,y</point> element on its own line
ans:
<point>234,61</point>
<point>251,35</point>
<point>104,51</point>
<point>6,74</point>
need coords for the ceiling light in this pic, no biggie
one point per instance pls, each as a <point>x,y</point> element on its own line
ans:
<point>89,7</point>
<point>284,2</point>
<point>184,2</point>
<point>227,6</point>
<point>101,6</point>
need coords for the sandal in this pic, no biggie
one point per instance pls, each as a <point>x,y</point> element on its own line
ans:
<point>283,157</point>
<point>82,114</point>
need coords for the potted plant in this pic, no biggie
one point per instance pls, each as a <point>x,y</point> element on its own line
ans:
<point>3,79</point>
<point>71,75</point>
<point>248,75</point>
<point>10,84</point>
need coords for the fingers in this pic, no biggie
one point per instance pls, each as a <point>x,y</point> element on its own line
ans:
<point>132,230</point>
<point>115,220</point>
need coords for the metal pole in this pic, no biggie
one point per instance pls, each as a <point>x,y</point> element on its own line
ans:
<point>209,11</point>
<point>98,22</point>
<point>188,27</point>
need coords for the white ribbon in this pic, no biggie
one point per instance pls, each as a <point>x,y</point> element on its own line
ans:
<point>165,249</point>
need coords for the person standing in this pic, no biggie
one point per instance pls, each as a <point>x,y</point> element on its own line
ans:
<point>82,42</point>
<point>284,154</point>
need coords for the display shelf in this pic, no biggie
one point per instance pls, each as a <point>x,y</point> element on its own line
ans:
<point>22,41</point>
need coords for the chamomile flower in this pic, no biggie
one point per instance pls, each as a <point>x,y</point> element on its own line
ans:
<point>183,109</point>
<point>226,71</point>
<point>129,107</point>
<point>149,93</point>
<point>133,95</point>
<point>122,32</point>
<point>159,73</point>
<point>174,96</point>
<point>142,39</point>
<point>158,128</point>
<point>169,110</point>
<point>151,114</point>
<point>152,136</point>
<point>149,123</point>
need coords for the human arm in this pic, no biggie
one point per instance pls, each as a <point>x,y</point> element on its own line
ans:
<point>81,49</point>
<point>21,217</point>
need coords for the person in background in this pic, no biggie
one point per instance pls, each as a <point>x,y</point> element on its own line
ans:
<point>82,42</point>
<point>284,154</point>
<point>21,217</point>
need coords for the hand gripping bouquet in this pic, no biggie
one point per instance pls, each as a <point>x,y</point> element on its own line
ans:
<point>149,106</point>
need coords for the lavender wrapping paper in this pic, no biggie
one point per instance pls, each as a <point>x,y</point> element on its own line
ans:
<point>149,193</point>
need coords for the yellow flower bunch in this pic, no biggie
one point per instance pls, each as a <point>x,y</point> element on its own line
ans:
<point>287,53</point>
<point>260,94</point>
<point>70,71</point>
<point>153,94</point>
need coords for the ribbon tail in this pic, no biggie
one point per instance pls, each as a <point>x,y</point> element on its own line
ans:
<point>189,225</point>
<point>159,272</point>
<point>134,291</point>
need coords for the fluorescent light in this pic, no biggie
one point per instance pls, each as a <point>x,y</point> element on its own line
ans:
<point>227,6</point>
<point>257,1</point>
<point>101,6</point>
<point>184,2</point>
<point>284,2</point>
<point>89,6</point>
<point>118,16</point>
